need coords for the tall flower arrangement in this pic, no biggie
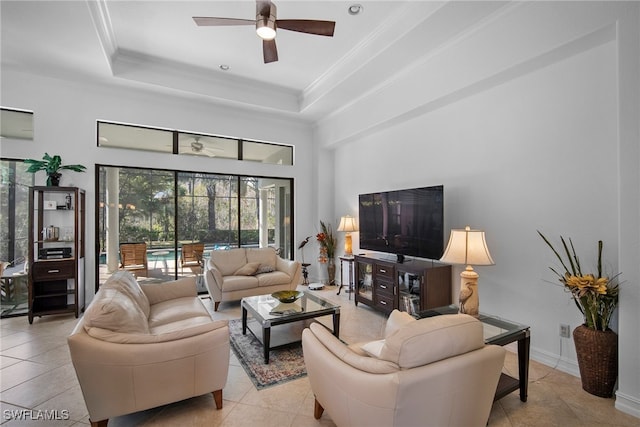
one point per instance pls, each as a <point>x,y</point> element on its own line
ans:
<point>327,240</point>
<point>596,296</point>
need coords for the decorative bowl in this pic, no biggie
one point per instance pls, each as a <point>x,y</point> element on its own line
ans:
<point>287,296</point>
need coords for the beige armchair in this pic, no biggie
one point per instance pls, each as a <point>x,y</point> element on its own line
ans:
<point>428,372</point>
<point>142,346</point>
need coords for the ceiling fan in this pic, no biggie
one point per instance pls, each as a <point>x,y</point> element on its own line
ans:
<point>266,23</point>
<point>198,147</point>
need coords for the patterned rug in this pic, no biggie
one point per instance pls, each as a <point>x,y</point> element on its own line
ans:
<point>285,364</point>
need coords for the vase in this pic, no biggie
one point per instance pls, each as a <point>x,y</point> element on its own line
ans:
<point>331,271</point>
<point>597,353</point>
<point>53,179</point>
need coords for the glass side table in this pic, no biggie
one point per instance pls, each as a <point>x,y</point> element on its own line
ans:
<point>501,332</point>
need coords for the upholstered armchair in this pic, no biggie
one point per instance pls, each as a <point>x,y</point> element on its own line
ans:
<point>142,346</point>
<point>429,372</point>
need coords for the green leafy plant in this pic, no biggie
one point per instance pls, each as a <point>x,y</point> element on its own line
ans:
<point>596,296</point>
<point>51,165</point>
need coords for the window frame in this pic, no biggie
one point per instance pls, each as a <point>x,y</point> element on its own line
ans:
<point>289,240</point>
<point>178,136</point>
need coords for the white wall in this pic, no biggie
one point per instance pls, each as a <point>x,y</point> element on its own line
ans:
<point>65,115</point>
<point>524,139</point>
<point>524,156</point>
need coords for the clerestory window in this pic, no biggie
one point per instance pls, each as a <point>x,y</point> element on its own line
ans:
<point>134,137</point>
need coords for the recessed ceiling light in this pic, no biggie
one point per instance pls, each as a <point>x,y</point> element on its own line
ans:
<point>355,9</point>
<point>224,67</point>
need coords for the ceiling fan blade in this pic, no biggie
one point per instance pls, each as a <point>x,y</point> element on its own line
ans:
<point>208,21</point>
<point>309,26</point>
<point>269,51</point>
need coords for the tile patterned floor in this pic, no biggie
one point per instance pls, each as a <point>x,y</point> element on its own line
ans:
<point>36,374</point>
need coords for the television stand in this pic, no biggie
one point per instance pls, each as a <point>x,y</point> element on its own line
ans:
<point>413,286</point>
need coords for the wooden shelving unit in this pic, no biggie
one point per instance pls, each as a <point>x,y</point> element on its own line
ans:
<point>56,251</point>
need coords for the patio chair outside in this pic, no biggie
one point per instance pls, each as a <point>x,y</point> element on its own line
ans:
<point>191,256</point>
<point>133,257</point>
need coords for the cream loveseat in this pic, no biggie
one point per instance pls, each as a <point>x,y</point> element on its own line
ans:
<point>237,273</point>
<point>429,372</point>
<point>142,346</point>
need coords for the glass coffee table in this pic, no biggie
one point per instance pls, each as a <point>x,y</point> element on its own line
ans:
<point>500,331</point>
<point>275,324</point>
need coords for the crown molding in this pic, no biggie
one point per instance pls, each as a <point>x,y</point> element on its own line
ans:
<point>102,24</point>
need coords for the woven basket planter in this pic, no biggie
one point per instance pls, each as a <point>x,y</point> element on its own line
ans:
<point>597,353</point>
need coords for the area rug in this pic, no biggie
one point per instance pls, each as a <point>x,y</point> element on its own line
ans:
<point>285,364</point>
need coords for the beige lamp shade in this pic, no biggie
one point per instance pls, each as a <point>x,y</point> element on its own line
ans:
<point>347,224</point>
<point>467,247</point>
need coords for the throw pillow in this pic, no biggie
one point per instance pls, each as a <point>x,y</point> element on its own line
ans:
<point>248,269</point>
<point>342,352</point>
<point>266,256</point>
<point>126,282</point>
<point>397,319</point>
<point>357,348</point>
<point>264,269</point>
<point>114,310</point>
<point>373,348</point>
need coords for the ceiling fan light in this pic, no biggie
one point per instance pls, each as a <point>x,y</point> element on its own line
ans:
<point>266,29</point>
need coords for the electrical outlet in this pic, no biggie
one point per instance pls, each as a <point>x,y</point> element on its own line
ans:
<point>565,331</point>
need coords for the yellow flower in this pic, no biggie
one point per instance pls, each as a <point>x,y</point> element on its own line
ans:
<point>601,285</point>
<point>580,282</point>
<point>587,283</point>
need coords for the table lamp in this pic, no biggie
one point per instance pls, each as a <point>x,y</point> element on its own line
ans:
<point>347,224</point>
<point>468,247</point>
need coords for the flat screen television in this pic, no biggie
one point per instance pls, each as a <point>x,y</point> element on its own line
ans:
<point>403,222</point>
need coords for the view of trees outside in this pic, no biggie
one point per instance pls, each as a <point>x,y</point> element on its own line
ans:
<point>14,234</point>
<point>14,206</point>
<point>166,209</point>
<point>146,208</point>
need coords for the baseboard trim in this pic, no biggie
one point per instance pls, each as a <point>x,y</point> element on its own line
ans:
<point>627,404</point>
<point>551,359</point>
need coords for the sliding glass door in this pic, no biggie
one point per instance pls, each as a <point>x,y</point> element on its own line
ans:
<point>14,227</point>
<point>181,216</point>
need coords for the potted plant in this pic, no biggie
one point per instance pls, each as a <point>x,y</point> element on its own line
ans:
<point>596,296</point>
<point>328,245</point>
<point>52,166</point>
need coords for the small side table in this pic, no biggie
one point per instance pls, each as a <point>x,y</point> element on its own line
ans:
<point>160,256</point>
<point>500,331</point>
<point>305,274</point>
<point>349,260</point>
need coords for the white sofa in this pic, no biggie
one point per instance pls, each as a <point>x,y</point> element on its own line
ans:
<point>429,372</point>
<point>237,273</point>
<point>141,346</point>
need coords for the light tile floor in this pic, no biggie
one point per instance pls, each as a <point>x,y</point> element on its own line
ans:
<point>36,374</point>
